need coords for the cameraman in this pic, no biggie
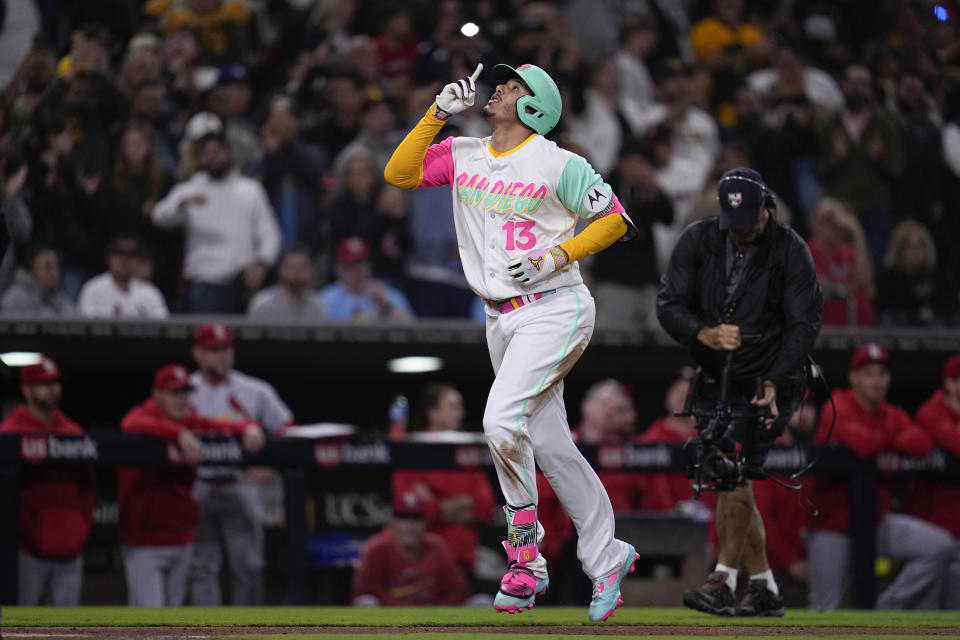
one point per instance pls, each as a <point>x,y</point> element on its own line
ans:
<point>742,292</point>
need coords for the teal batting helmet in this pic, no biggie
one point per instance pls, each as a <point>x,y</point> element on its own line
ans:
<point>541,110</point>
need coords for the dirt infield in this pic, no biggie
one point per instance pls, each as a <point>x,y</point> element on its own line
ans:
<point>195,633</point>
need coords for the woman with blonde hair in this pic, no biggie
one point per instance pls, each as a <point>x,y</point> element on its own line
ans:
<point>912,291</point>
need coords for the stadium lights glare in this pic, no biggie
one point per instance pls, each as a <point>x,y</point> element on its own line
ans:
<point>414,364</point>
<point>20,358</point>
<point>470,29</point>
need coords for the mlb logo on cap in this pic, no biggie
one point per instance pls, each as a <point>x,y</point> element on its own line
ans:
<point>741,193</point>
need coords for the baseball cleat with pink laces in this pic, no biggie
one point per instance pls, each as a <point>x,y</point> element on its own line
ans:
<point>606,590</point>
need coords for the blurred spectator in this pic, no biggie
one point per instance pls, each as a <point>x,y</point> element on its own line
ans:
<point>229,99</point>
<point>396,45</point>
<point>353,209</point>
<point>694,132</point>
<point>36,73</point>
<point>911,290</point>
<point>229,499</point>
<point>934,499</point>
<point>867,424</point>
<point>404,565</point>
<point>729,46</point>
<point>392,235</point>
<point>56,503</point>
<point>919,189</point>
<point>221,27</point>
<point>53,193</point>
<point>606,120</point>
<point>158,513</point>
<point>378,135</point>
<point>682,180</point>
<point>124,202</point>
<point>334,128</point>
<point>150,104</point>
<point>860,158</point>
<point>790,79</point>
<point>295,295</point>
<point>118,293</point>
<point>626,274</point>
<point>89,51</point>
<point>638,39</point>
<point>87,95</point>
<point>291,171</point>
<point>232,236</point>
<point>843,265</point>
<point>456,502</point>
<point>36,288</point>
<point>948,227</point>
<point>179,52</point>
<point>139,66</point>
<point>16,219</point>
<point>362,58</point>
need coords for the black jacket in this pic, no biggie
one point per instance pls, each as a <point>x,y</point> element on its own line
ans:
<point>778,305</point>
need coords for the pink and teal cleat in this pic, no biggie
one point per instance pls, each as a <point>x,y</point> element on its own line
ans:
<point>519,589</point>
<point>606,591</point>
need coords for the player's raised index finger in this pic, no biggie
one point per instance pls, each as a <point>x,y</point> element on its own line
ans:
<point>476,74</point>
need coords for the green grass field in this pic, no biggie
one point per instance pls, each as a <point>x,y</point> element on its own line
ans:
<point>450,616</point>
<point>531,625</point>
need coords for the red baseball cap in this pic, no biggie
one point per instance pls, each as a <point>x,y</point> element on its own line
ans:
<point>44,371</point>
<point>408,504</point>
<point>352,249</point>
<point>213,336</point>
<point>867,353</point>
<point>172,377</point>
<point>952,368</point>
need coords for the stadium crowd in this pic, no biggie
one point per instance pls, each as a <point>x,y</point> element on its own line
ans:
<point>175,156</point>
<point>225,156</point>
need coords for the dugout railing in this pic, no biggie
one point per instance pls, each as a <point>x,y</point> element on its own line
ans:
<point>296,459</point>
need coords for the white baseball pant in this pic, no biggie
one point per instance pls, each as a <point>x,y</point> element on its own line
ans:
<point>532,349</point>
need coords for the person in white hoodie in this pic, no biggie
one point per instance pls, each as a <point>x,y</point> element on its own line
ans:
<point>232,235</point>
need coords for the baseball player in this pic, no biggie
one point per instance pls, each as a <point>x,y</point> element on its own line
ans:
<point>56,503</point>
<point>158,512</point>
<point>230,506</point>
<point>516,198</point>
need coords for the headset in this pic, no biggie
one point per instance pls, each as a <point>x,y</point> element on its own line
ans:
<point>769,200</point>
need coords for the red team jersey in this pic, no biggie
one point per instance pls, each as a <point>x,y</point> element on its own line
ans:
<point>865,433</point>
<point>56,504</point>
<point>397,579</point>
<point>157,507</point>
<point>935,499</point>
<point>432,488</point>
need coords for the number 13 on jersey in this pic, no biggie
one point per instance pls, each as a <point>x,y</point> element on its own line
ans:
<point>520,235</point>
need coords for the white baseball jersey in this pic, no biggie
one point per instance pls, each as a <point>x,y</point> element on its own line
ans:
<point>239,397</point>
<point>508,204</point>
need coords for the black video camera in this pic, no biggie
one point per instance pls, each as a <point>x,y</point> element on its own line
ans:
<point>713,461</point>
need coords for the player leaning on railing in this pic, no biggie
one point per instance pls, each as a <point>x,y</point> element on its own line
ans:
<point>516,198</point>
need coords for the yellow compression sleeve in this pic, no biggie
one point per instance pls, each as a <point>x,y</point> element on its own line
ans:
<point>595,238</point>
<point>405,168</point>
